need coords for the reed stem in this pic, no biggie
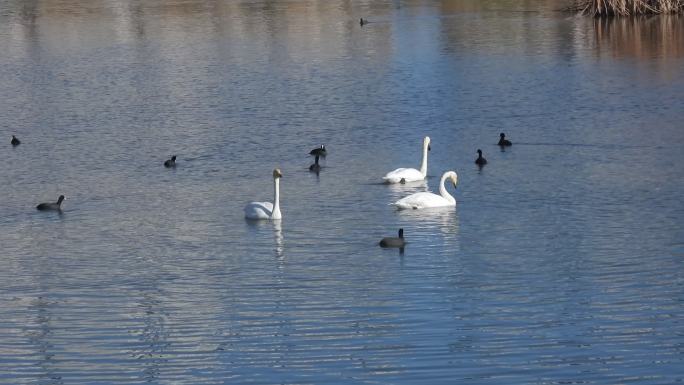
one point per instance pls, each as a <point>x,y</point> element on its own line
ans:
<point>629,7</point>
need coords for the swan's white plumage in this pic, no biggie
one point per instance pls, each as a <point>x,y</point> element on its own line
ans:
<point>407,174</point>
<point>410,174</point>
<point>266,210</point>
<point>424,200</point>
<point>258,210</point>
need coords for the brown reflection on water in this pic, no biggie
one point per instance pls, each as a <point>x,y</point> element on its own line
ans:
<point>315,28</point>
<point>500,5</point>
<point>641,37</point>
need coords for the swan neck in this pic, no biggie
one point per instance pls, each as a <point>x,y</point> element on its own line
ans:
<point>443,191</point>
<point>423,164</point>
<point>276,199</point>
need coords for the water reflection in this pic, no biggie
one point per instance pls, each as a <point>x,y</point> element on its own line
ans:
<point>235,84</point>
<point>408,187</point>
<point>644,37</point>
<point>39,333</point>
<point>278,235</point>
<point>258,228</point>
<point>418,185</point>
<point>401,190</point>
<point>308,24</point>
<point>152,335</point>
<point>444,219</point>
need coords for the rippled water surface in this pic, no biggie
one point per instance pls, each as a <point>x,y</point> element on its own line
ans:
<point>563,261</point>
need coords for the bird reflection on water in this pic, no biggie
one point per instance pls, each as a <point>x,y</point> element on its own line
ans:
<point>257,228</point>
<point>278,236</point>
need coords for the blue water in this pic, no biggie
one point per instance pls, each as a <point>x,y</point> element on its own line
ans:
<point>563,261</point>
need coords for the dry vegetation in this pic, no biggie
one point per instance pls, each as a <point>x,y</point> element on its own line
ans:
<point>629,7</point>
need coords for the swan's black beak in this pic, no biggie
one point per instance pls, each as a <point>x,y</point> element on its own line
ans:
<point>429,148</point>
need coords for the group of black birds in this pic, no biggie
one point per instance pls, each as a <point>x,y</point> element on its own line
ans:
<point>399,241</point>
<point>318,152</point>
<point>503,142</point>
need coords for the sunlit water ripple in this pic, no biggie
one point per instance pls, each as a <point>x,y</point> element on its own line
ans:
<point>562,262</point>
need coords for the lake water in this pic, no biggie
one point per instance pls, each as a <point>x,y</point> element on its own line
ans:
<point>563,261</point>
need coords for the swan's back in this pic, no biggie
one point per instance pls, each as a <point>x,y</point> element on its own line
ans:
<point>422,200</point>
<point>408,174</point>
<point>258,210</point>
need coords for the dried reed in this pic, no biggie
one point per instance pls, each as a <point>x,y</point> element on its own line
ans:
<point>628,7</point>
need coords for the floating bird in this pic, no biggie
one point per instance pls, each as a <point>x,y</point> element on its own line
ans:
<point>503,142</point>
<point>403,175</point>
<point>170,162</point>
<point>315,167</point>
<point>394,241</point>
<point>423,200</point>
<point>480,161</point>
<point>51,206</point>
<point>362,22</point>
<point>267,210</point>
<point>15,142</point>
<point>320,151</point>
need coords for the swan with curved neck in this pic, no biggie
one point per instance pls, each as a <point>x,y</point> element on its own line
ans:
<point>267,210</point>
<point>410,174</point>
<point>423,200</point>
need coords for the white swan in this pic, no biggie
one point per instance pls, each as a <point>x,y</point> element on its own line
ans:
<point>410,174</point>
<point>267,210</point>
<point>424,200</point>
